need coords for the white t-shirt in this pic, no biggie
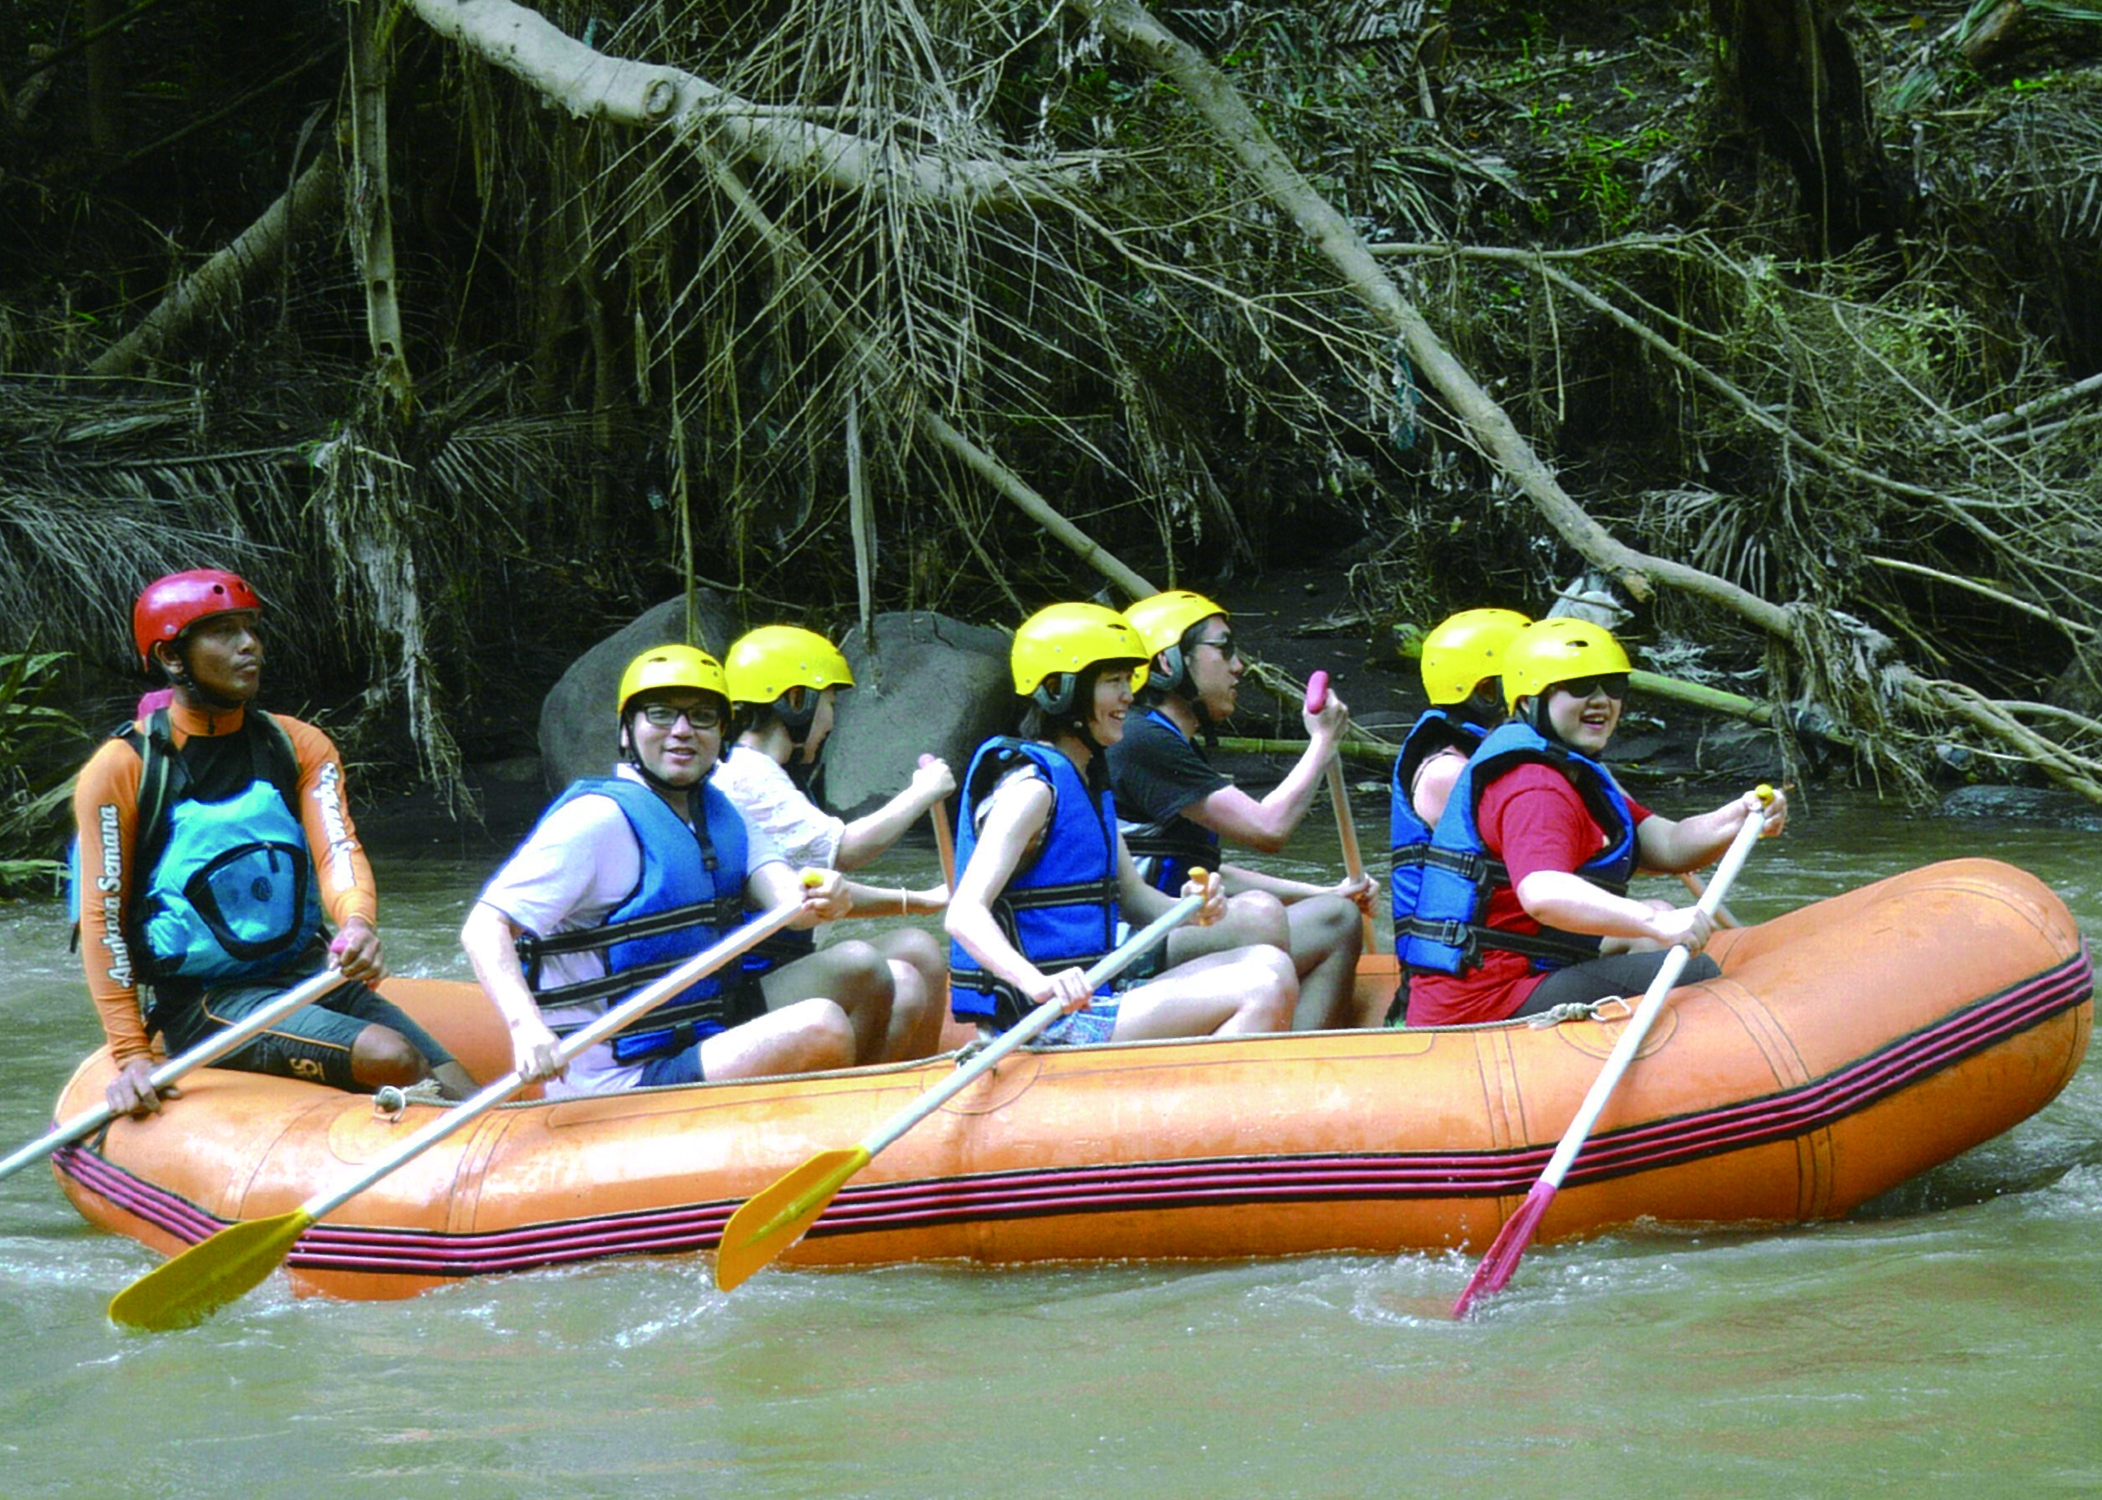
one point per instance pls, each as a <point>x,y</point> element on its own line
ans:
<point>575,868</point>
<point>771,802</point>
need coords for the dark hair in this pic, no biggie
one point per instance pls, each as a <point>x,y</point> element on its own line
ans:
<point>1038,723</point>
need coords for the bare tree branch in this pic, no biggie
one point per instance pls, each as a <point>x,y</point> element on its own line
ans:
<point>588,82</point>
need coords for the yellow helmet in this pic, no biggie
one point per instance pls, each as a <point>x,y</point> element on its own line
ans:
<point>1061,640</point>
<point>672,667</point>
<point>1162,621</point>
<point>1463,649</point>
<point>763,664</point>
<point>1558,650</point>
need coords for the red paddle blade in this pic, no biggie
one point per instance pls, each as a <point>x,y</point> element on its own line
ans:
<point>1502,1259</point>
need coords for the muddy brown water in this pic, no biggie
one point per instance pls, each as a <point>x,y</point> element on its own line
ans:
<point>1944,1336</point>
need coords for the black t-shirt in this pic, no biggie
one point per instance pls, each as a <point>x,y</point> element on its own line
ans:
<point>1156,773</point>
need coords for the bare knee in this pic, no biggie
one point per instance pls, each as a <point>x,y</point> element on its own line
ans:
<point>1328,924</point>
<point>860,975</point>
<point>381,1056</point>
<point>919,948</point>
<point>822,1042</point>
<point>1262,919</point>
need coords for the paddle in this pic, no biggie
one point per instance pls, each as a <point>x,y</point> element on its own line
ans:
<point>775,1217</point>
<point>211,1049</point>
<point>1502,1259</point>
<point>1338,793</point>
<point>944,839</point>
<point>212,1273</point>
<point>1724,917</point>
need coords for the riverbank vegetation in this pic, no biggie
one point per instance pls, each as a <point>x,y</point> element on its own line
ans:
<point>470,329</point>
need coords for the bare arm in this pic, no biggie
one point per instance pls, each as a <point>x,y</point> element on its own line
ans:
<point>489,938</point>
<point>866,838</point>
<point>1670,845</point>
<point>1015,816</point>
<point>1556,898</point>
<point>1265,825</point>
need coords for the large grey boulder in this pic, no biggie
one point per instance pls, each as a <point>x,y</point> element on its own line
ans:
<point>577,726</point>
<point>933,685</point>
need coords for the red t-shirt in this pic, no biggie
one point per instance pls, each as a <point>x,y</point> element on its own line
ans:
<point>1532,819</point>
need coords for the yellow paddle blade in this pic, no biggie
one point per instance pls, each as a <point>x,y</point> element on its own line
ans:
<point>208,1275</point>
<point>775,1217</point>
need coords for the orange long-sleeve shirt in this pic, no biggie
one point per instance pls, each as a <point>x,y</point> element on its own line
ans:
<point>105,810</point>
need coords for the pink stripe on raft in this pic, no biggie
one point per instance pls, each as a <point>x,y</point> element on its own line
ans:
<point>1144,1185</point>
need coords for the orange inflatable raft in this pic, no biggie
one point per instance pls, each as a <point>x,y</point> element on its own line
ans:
<point>1847,1047</point>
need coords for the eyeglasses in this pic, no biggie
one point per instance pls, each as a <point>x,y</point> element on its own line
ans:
<point>698,716</point>
<point>1613,684</point>
<point>1224,645</point>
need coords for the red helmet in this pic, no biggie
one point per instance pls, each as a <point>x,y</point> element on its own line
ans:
<point>173,604</point>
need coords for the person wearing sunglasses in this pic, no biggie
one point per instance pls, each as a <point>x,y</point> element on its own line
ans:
<point>627,876</point>
<point>1045,886</point>
<point>1177,808</point>
<point>1524,903</point>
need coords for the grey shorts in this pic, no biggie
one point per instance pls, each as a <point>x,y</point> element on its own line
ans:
<point>313,1042</point>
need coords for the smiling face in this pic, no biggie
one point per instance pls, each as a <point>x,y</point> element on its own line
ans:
<point>222,654</point>
<point>1215,667</point>
<point>676,734</point>
<point>1584,720</point>
<point>1111,702</point>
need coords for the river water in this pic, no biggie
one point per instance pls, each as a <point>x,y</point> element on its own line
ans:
<point>1944,1337</point>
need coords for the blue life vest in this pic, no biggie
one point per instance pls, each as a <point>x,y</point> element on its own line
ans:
<point>1059,911</point>
<point>1408,835</point>
<point>1448,931</point>
<point>1166,850</point>
<point>689,894</point>
<point>227,888</point>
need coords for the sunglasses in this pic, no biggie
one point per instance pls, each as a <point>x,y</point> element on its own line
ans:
<point>698,716</point>
<point>1224,645</point>
<point>1613,684</point>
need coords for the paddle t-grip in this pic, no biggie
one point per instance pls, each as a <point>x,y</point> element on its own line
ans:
<point>1316,692</point>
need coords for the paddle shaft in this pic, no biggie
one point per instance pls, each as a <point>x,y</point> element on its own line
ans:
<point>1496,1266</point>
<point>573,1046</point>
<point>1646,1013</point>
<point>1339,793</point>
<point>1105,969</point>
<point>210,1050</point>
<point>1724,917</point>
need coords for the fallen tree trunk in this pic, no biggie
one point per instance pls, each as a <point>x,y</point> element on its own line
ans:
<point>218,283</point>
<point>1816,639</point>
<point>650,96</point>
<point>1236,125</point>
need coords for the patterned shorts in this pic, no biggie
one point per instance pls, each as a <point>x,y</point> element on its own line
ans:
<point>1083,1028</point>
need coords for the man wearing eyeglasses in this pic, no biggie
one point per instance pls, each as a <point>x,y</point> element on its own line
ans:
<point>1177,808</point>
<point>626,876</point>
<point>1523,904</point>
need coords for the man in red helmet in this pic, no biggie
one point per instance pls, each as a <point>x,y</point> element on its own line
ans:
<point>212,842</point>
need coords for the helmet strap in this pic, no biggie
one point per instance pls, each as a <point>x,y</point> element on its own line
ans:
<point>797,720</point>
<point>190,689</point>
<point>631,756</point>
<point>1534,715</point>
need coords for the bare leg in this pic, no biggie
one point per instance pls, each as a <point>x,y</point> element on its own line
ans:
<point>919,972</point>
<point>381,1056</point>
<point>1327,937</point>
<point>807,1036</point>
<point>1221,994</point>
<point>1252,918</point>
<point>855,976</point>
